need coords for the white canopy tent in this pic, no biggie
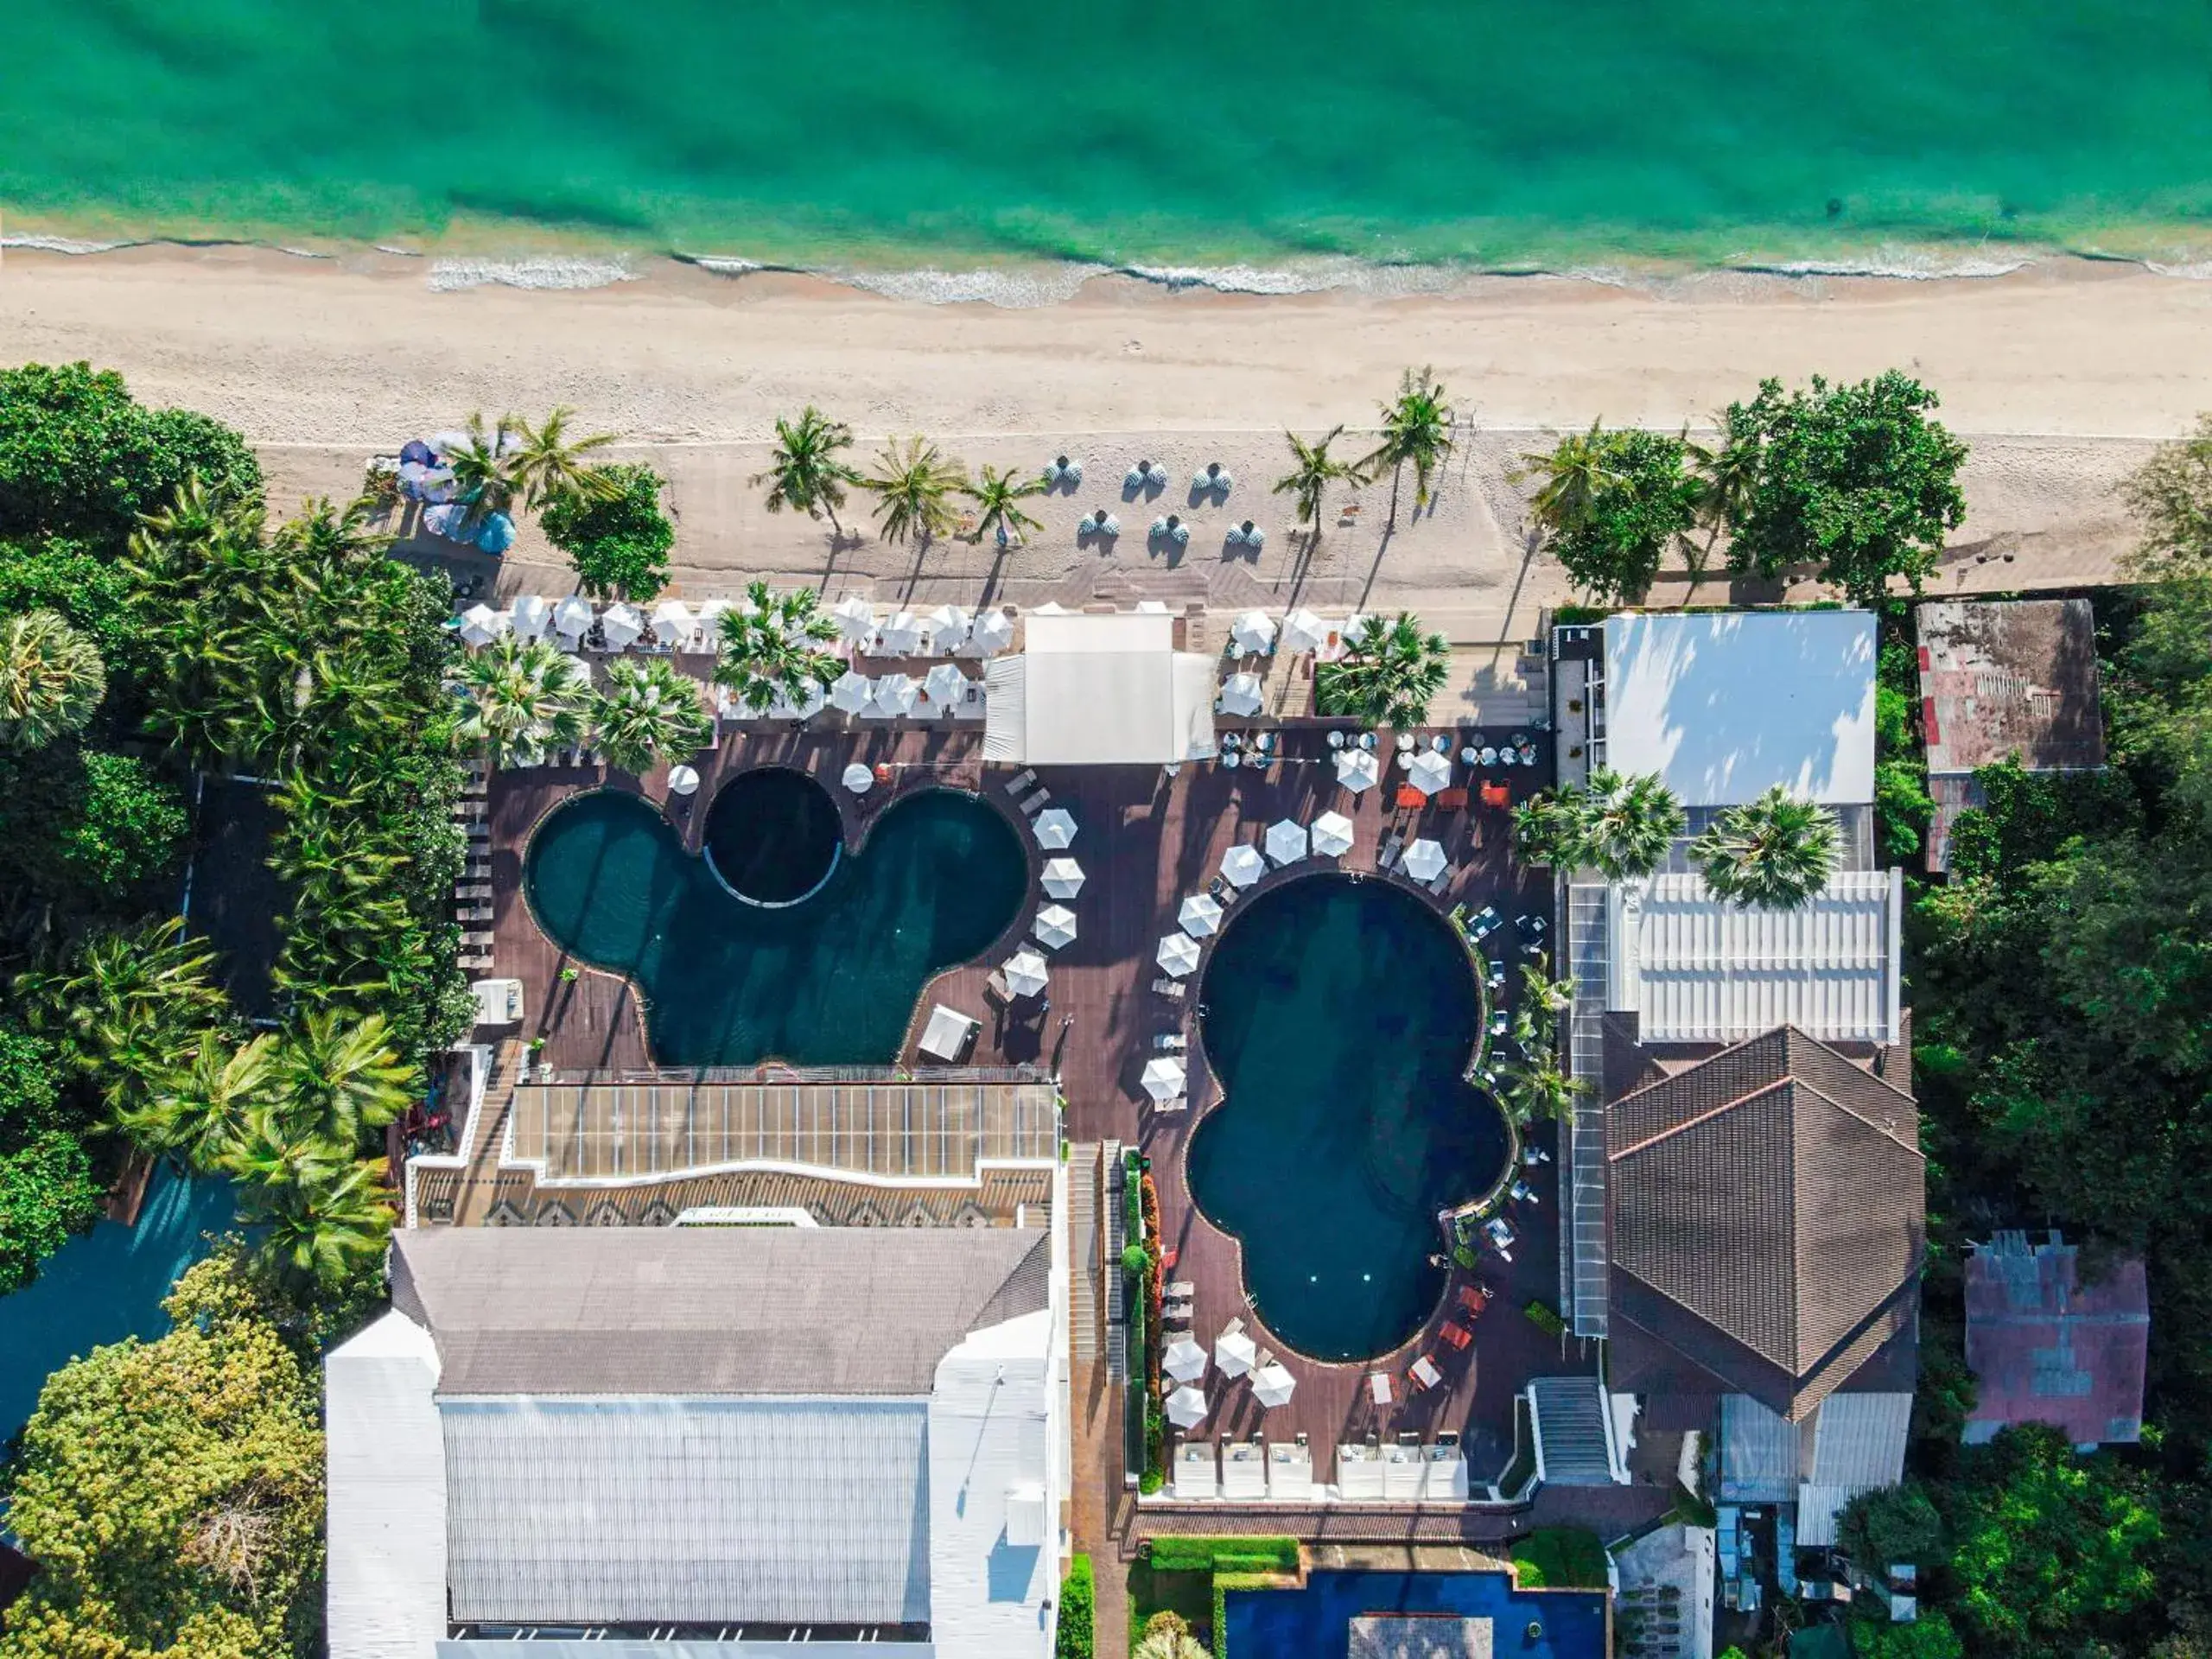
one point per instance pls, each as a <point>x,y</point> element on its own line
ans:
<point>947,1033</point>
<point>1099,691</point>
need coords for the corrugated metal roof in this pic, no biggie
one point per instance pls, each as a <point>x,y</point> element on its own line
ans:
<point>2010,678</point>
<point>2045,1347</point>
<point>1859,1441</point>
<point>1758,1453</point>
<point>1698,970</point>
<point>687,1512</point>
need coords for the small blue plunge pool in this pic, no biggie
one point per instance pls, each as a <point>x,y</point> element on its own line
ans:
<point>1316,1623</point>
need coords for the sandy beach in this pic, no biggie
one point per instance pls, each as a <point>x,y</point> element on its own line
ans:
<point>2061,376</point>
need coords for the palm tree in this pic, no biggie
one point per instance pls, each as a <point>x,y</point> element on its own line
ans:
<point>1417,428</point>
<point>1624,825</point>
<point>50,679</point>
<point>525,696</point>
<point>129,1007</point>
<point>1167,1637</point>
<point>547,462</point>
<point>1573,471</point>
<point>1390,674</point>
<point>482,474</point>
<point>336,1080</point>
<point>1727,476</point>
<point>911,485</point>
<point>326,1223</point>
<point>1535,1086</point>
<point>1545,830</point>
<point>995,497</point>
<point>649,710</point>
<point>804,470</point>
<point>1775,852</point>
<point>200,1111</point>
<point>1313,469</point>
<point>777,647</point>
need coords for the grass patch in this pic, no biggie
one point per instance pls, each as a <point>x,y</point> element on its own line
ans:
<point>1559,1558</point>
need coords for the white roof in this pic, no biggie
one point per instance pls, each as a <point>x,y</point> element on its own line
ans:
<point>387,1482</point>
<point>1724,707</point>
<point>1099,691</point>
<point>947,1032</point>
<point>1698,970</point>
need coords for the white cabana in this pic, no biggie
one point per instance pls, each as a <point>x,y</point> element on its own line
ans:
<point>899,637</point>
<point>1241,695</point>
<point>855,618</point>
<point>858,779</point>
<point>992,633</point>
<point>1273,1386</point>
<point>481,625</point>
<point>673,622</point>
<point>1055,828</point>
<point>1163,1077</point>
<point>1055,926</point>
<point>1185,1360</point>
<point>1186,1406</point>
<point>1357,770</point>
<point>682,780</point>
<point>1234,1354</point>
<point>1254,632</point>
<point>947,1034</point>
<point>1303,631</point>
<point>1064,877</point>
<point>851,692</point>
<point>623,625</point>
<point>1178,954</point>
<point>1026,973</point>
<point>572,617</point>
<point>1096,690</point>
<point>1331,835</point>
<point>1287,841</point>
<point>946,687</point>
<point>1424,861</point>
<point>1429,772</point>
<point>1200,915</point>
<point>1243,865</point>
<point>948,629</point>
<point>893,695</point>
<point>528,616</point>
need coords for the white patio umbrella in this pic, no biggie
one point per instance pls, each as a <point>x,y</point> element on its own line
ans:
<point>529,615</point>
<point>1178,954</point>
<point>855,618</point>
<point>946,685</point>
<point>809,705</point>
<point>894,694</point>
<point>1241,695</point>
<point>1200,915</point>
<point>1424,861</point>
<point>1303,631</point>
<point>858,779</point>
<point>481,625</point>
<point>1055,828</point>
<point>1186,1406</point>
<point>902,635</point>
<point>1026,973</point>
<point>1055,926</point>
<point>851,691</point>
<point>1357,770</point>
<point>1243,865</point>
<point>682,780</point>
<point>572,617</point>
<point>992,632</point>
<point>1287,841</point>
<point>1064,877</point>
<point>622,623</point>
<point>673,622</point>
<point>1429,772</point>
<point>1185,1360</point>
<point>949,626</point>
<point>1235,1353</point>
<point>1331,835</point>
<point>710,623</point>
<point>1163,1077</point>
<point>1255,631</point>
<point>1273,1386</point>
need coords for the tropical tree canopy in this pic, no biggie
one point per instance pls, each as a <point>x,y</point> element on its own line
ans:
<point>1390,675</point>
<point>1620,826</point>
<point>513,464</point>
<point>1167,1637</point>
<point>50,679</point>
<point>1313,469</point>
<point>617,536</point>
<point>48,1192</point>
<point>525,697</point>
<point>806,469</point>
<point>1612,504</point>
<point>1569,476</point>
<point>1417,429</point>
<point>913,483</point>
<point>125,1006</point>
<point>1774,853</point>
<point>649,711</point>
<point>777,648</point>
<point>997,496</point>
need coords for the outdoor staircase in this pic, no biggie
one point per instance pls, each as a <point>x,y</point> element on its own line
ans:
<point>1085,1248</point>
<point>1573,1431</point>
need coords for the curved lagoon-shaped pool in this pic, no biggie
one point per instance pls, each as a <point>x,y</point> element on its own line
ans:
<point>1339,1016</point>
<point>830,979</point>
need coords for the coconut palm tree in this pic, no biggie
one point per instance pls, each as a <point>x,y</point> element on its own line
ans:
<point>482,474</point>
<point>912,485</point>
<point>994,498</point>
<point>50,679</point>
<point>1726,474</point>
<point>1573,472</point>
<point>1624,826</point>
<point>805,468</point>
<point>1775,852</point>
<point>1390,673</point>
<point>777,648</point>
<point>547,462</point>
<point>1313,469</point>
<point>1545,827</point>
<point>199,1111</point>
<point>1417,428</point>
<point>525,696</point>
<point>324,1223</point>
<point>649,711</point>
<point>1535,1086</point>
<point>128,1006</point>
<point>335,1080</point>
<point>1167,1637</point>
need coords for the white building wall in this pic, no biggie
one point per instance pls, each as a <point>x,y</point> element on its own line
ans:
<point>384,1454</point>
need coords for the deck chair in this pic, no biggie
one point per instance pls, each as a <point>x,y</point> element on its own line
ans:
<point>1165,987</point>
<point>1019,781</point>
<point>1387,860</point>
<point>996,988</point>
<point>1036,802</point>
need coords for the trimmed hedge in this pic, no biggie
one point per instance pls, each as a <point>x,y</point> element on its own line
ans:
<point>1077,1636</point>
<point>1175,1552</point>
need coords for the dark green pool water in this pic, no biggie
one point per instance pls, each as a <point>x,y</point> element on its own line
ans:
<point>773,835</point>
<point>1339,1015</point>
<point>830,981</point>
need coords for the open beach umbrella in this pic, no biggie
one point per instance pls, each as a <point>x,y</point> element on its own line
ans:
<point>673,621</point>
<point>1286,841</point>
<point>855,618</point>
<point>1163,1078</point>
<point>1254,632</point>
<point>1064,877</point>
<point>1235,1353</point>
<point>710,623</point>
<point>1243,865</point>
<point>443,519</point>
<point>1429,772</point>
<point>1424,861</point>
<point>1357,770</point>
<point>481,625</point>
<point>528,616</point>
<point>1331,835</point>
<point>1186,1406</point>
<point>992,632</point>
<point>682,780</point>
<point>948,628</point>
<point>413,453</point>
<point>894,694</point>
<point>1240,694</point>
<point>946,685</point>
<point>1273,1386</point>
<point>858,779</point>
<point>572,616</point>
<point>1055,926</point>
<point>1303,631</point>
<point>809,704</point>
<point>496,534</point>
<point>1055,828</point>
<point>1026,973</point>
<point>1200,915</point>
<point>1178,954</point>
<point>1185,1360</point>
<point>850,691</point>
<point>448,442</point>
<point>622,625</point>
<point>901,636</point>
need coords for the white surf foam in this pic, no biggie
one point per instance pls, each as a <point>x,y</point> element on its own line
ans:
<point>544,271</point>
<point>1021,287</point>
<point>1904,265</point>
<point>61,244</point>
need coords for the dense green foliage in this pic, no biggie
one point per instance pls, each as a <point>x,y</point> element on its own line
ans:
<point>1177,1552</point>
<point>1612,505</point>
<point>1775,852</point>
<point>1076,1635</point>
<point>1559,1558</point>
<point>47,1192</point>
<point>618,540</point>
<point>1621,826</point>
<point>1389,674</point>
<point>92,833</point>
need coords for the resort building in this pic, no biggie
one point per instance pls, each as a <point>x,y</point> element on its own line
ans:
<point>2045,1347</point>
<point>2003,680</point>
<point>743,1436</point>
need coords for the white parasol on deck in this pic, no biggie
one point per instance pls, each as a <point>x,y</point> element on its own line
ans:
<point>894,694</point>
<point>1178,954</point>
<point>1331,835</point>
<point>1163,1078</point>
<point>1026,973</point>
<point>1185,1360</point>
<point>946,687</point>
<point>1243,865</point>
<point>1424,861</point>
<point>622,625</point>
<point>572,617</point>
<point>529,615</point>
<point>1273,1386</point>
<point>1186,1407</point>
<point>481,625</point>
<point>1303,631</point>
<point>1064,877</point>
<point>1429,772</point>
<point>1357,770</point>
<point>1055,926</point>
<point>1234,1354</point>
<point>1200,915</point>
<point>673,622</point>
<point>1240,695</point>
<point>1287,841</point>
<point>855,618</point>
<point>1055,828</point>
<point>682,780</point>
<point>992,632</point>
<point>1255,631</point>
<point>851,692</point>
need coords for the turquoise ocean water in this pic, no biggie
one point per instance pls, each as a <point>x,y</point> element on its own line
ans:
<point>1500,133</point>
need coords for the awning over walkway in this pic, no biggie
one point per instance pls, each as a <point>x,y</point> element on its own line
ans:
<point>1099,691</point>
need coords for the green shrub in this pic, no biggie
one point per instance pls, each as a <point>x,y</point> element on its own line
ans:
<point>619,544</point>
<point>1179,1554</point>
<point>1559,1558</point>
<point>1077,1636</point>
<point>47,1192</point>
<point>1545,1320</point>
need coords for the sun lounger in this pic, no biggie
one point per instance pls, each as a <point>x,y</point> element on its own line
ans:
<point>996,988</point>
<point>1182,1290</point>
<point>1019,781</point>
<point>1170,987</point>
<point>1423,1374</point>
<point>1037,802</point>
<point>1235,1325</point>
<point>1458,1334</point>
<point>1170,1039</point>
<point>472,890</point>
<point>472,913</point>
<point>1266,1358</point>
<point>1378,1388</point>
<point>1178,1103</point>
<point>1443,879</point>
<point>1391,849</point>
<point>479,937</point>
<point>1474,1298</point>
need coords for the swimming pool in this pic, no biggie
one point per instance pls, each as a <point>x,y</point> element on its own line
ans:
<point>1338,1015</point>
<point>773,836</point>
<point>828,980</point>
<point>1313,1622</point>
